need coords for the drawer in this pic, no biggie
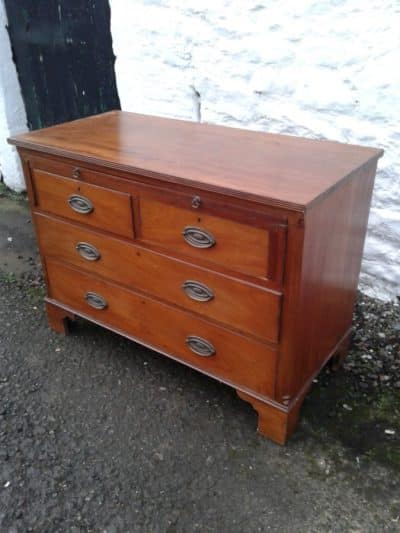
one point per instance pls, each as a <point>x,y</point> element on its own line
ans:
<point>232,244</point>
<point>240,305</point>
<point>89,204</point>
<point>209,348</point>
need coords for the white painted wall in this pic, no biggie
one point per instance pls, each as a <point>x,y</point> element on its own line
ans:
<point>317,68</point>
<point>320,69</point>
<point>12,110</point>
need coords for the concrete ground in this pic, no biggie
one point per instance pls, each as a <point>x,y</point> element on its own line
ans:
<point>100,434</point>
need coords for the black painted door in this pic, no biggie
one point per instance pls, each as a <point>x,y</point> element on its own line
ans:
<point>64,58</point>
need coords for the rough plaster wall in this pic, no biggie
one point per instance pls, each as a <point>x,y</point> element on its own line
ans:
<point>320,69</point>
<point>12,110</point>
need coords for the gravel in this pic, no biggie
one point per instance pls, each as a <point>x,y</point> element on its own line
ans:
<point>100,434</point>
<point>374,357</point>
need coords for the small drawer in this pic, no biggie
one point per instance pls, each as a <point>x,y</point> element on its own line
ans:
<point>239,305</point>
<point>88,204</point>
<point>200,233</point>
<point>198,343</point>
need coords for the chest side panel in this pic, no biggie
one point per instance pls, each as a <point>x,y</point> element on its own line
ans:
<point>317,315</point>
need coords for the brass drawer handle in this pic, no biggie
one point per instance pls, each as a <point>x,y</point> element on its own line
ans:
<point>87,251</point>
<point>80,204</point>
<point>200,346</point>
<point>197,291</point>
<point>95,300</point>
<point>199,238</point>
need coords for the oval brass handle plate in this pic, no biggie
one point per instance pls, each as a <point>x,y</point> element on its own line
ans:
<point>199,238</point>
<point>197,291</point>
<point>95,300</point>
<point>80,204</point>
<point>200,346</point>
<point>87,251</point>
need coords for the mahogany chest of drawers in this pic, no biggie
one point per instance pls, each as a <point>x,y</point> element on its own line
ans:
<point>234,252</point>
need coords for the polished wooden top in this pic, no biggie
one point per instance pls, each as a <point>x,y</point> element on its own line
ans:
<point>269,168</point>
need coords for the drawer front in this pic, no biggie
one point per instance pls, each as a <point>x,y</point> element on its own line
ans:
<point>65,168</point>
<point>233,245</point>
<point>89,204</point>
<point>238,304</point>
<point>196,342</point>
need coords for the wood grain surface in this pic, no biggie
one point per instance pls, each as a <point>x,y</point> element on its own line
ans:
<point>240,247</point>
<point>112,210</point>
<point>275,169</point>
<point>287,218</point>
<point>239,305</point>
<point>238,359</point>
<point>323,266</point>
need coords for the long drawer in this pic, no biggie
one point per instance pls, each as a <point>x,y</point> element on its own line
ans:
<point>240,305</point>
<point>209,348</point>
<point>89,204</point>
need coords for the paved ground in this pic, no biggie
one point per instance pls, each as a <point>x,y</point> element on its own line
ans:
<point>100,434</point>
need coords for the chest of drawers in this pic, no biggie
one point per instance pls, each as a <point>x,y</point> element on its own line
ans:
<point>234,252</point>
